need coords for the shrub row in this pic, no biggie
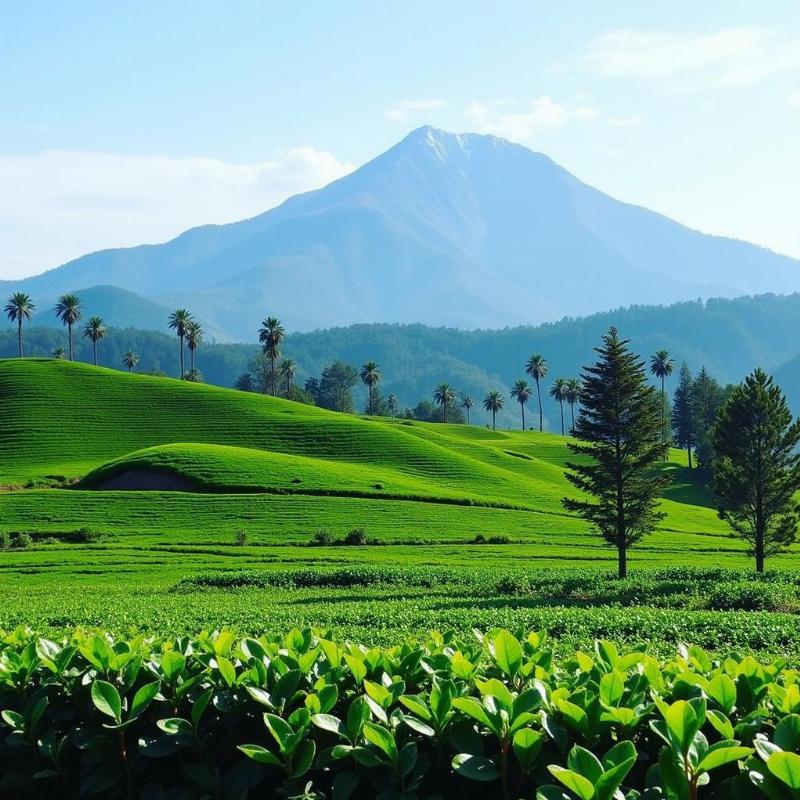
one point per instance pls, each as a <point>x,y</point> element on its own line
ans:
<point>300,715</point>
<point>699,589</point>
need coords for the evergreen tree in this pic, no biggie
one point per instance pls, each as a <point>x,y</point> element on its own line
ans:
<point>757,466</point>
<point>683,412</point>
<point>619,428</point>
<point>707,399</point>
<point>244,383</point>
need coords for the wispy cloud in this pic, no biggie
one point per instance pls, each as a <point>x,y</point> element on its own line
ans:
<point>409,109</point>
<point>683,60</point>
<point>58,205</point>
<point>522,120</point>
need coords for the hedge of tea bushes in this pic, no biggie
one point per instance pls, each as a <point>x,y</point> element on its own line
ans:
<point>492,715</point>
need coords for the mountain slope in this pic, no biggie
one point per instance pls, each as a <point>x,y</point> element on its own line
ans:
<point>462,230</point>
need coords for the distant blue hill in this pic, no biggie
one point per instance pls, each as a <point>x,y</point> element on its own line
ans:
<point>461,230</point>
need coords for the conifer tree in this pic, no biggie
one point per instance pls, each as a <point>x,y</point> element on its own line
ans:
<point>683,412</point>
<point>707,399</point>
<point>756,466</point>
<point>619,429</point>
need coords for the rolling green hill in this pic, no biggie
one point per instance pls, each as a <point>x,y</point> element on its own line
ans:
<point>65,421</point>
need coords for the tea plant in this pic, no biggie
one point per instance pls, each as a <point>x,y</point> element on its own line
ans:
<point>493,715</point>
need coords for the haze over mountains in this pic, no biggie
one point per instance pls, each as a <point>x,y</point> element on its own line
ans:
<point>467,230</point>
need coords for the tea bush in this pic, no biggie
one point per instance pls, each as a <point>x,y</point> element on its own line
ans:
<point>495,715</point>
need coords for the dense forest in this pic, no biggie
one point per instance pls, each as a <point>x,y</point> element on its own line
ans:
<point>728,337</point>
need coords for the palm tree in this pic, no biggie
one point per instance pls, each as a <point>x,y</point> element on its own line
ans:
<point>537,368</point>
<point>558,391</point>
<point>662,366</point>
<point>19,307</point>
<point>288,369</point>
<point>130,360</point>
<point>194,337</point>
<point>522,393</point>
<point>572,393</point>
<point>58,353</point>
<point>370,374</point>
<point>68,310</point>
<point>468,403</point>
<point>444,395</point>
<point>178,322</point>
<point>94,331</point>
<point>392,404</point>
<point>271,335</point>
<point>493,402</point>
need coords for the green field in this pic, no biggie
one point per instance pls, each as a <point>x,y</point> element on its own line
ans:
<point>278,472</point>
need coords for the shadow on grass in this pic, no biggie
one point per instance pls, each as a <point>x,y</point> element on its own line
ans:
<point>689,486</point>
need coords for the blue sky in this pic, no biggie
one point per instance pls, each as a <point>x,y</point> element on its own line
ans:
<point>129,122</point>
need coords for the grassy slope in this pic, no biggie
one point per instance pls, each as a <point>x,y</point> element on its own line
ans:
<point>68,419</point>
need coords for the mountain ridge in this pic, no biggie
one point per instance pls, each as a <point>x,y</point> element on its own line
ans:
<point>466,230</point>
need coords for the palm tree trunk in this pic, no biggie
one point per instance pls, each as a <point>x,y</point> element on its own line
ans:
<point>561,403</point>
<point>522,406</point>
<point>539,396</point>
<point>191,359</point>
<point>19,336</point>
<point>69,333</point>
<point>288,385</point>
<point>444,412</point>
<point>663,438</point>
<point>572,411</point>
<point>272,375</point>
<point>467,415</point>
<point>181,340</point>
<point>494,415</point>
<point>94,351</point>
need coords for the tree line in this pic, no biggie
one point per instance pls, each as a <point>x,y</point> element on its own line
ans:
<point>69,311</point>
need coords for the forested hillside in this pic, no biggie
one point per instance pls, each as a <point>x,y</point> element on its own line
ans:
<point>728,337</point>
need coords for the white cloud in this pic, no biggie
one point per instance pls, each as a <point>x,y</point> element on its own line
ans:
<point>407,109</point>
<point>58,205</point>
<point>794,99</point>
<point>521,121</point>
<point>729,57</point>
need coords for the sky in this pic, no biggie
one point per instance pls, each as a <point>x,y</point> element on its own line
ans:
<point>124,123</point>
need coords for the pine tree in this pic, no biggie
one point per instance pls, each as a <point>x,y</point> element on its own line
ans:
<point>683,412</point>
<point>619,429</point>
<point>707,399</point>
<point>756,466</point>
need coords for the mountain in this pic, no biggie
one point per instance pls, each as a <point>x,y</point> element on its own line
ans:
<point>444,229</point>
<point>728,337</point>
